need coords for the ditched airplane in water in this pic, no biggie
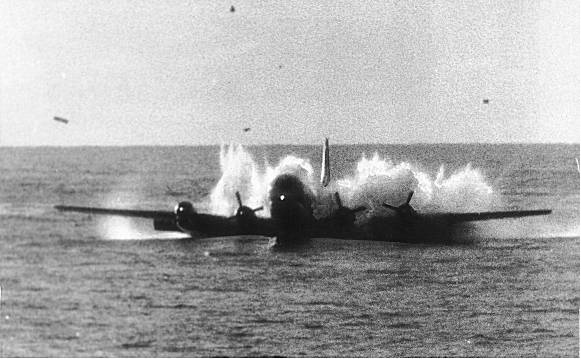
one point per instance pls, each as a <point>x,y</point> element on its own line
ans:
<point>292,220</point>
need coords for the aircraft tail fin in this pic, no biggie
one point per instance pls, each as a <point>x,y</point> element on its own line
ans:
<point>325,165</point>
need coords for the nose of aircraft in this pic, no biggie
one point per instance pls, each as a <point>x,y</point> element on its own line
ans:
<point>290,204</point>
<point>288,211</point>
<point>185,214</point>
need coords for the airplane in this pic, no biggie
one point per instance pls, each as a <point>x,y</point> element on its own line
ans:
<point>292,220</point>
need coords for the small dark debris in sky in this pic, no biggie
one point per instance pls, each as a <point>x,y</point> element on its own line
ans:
<point>280,66</point>
<point>60,119</point>
<point>246,129</point>
<point>232,9</point>
<point>485,101</point>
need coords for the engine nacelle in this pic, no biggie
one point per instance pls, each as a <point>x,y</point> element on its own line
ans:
<point>246,216</point>
<point>246,219</point>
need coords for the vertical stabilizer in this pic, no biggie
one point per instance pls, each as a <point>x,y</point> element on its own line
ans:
<point>325,165</point>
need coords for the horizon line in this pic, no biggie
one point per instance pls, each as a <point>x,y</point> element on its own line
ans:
<point>297,144</point>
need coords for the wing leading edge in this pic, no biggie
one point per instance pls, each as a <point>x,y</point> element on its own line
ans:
<point>201,223</point>
<point>214,225</point>
<point>118,212</point>
<point>484,216</point>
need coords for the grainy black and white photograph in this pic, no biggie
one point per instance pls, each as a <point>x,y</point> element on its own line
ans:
<point>246,178</point>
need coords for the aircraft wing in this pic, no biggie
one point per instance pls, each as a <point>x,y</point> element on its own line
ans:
<point>484,216</point>
<point>118,212</point>
<point>203,224</point>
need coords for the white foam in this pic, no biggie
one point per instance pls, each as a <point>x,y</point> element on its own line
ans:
<point>124,228</point>
<point>241,173</point>
<point>373,182</point>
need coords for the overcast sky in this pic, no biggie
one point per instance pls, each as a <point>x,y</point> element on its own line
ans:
<point>193,72</point>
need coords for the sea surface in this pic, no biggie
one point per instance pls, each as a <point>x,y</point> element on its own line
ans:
<point>77,285</point>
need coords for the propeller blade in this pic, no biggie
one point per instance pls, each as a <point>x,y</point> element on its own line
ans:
<point>238,199</point>
<point>258,209</point>
<point>390,207</point>
<point>358,209</point>
<point>338,199</point>
<point>409,197</point>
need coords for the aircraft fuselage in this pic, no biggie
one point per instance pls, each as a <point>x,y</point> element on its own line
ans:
<point>291,209</point>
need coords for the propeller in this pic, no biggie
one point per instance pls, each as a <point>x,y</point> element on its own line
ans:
<point>404,209</point>
<point>346,213</point>
<point>245,216</point>
<point>244,211</point>
<point>340,204</point>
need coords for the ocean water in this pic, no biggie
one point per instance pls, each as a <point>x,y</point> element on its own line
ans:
<point>79,285</point>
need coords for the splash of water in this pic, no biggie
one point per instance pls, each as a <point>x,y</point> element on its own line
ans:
<point>375,181</point>
<point>241,173</point>
<point>123,228</point>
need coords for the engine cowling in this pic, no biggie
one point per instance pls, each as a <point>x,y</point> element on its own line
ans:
<point>246,216</point>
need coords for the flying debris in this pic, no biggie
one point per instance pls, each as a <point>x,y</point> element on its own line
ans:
<point>292,220</point>
<point>60,119</point>
<point>485,101</point>
<point>246,129</point>
<point>232,9</point>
